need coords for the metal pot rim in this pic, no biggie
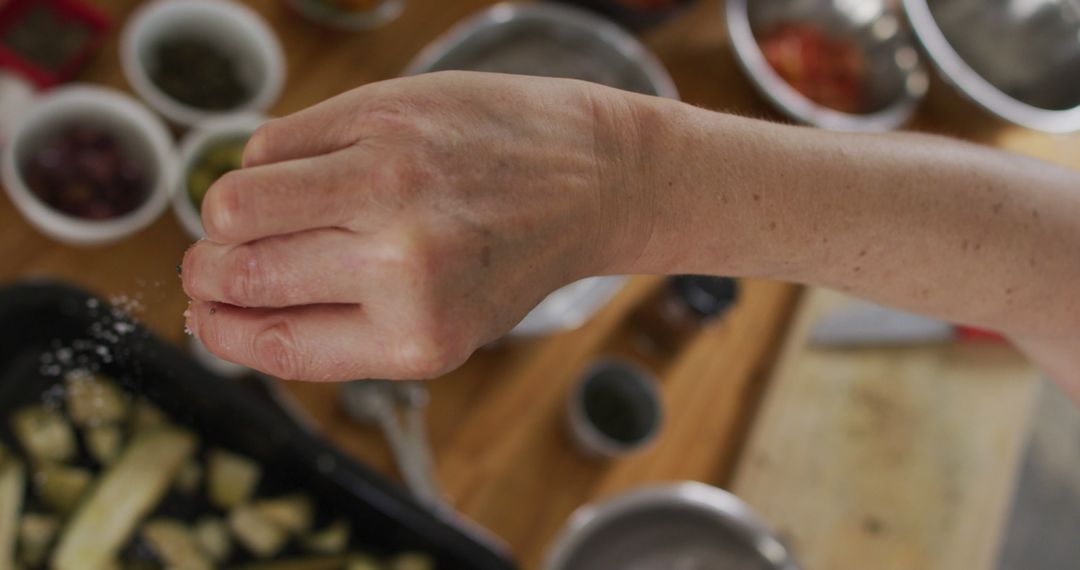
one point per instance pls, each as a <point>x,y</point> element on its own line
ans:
<point>727,508</point>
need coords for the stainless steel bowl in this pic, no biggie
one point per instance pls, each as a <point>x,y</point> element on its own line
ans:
<point>322,13</point>
<point>567,36</point>
<point>896,78</point>
<point>561,41</point>
<point>1018,59</point>
<point>684,526</point>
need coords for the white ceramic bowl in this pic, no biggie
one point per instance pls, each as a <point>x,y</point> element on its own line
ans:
<point>141,135</point>
<point>192,146</point>
<point>233,27</point>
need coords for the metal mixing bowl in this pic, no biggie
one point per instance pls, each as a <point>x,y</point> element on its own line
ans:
<point>1018,59</point>
<point>895,80</point>
<point>682,526</point>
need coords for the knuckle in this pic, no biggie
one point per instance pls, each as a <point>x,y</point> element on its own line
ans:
<point>276,352</point>
<point>258,146</point>
<point>427,355</point>
<point>223,208</point>
<point>247,278</point>
<point>403,176</point>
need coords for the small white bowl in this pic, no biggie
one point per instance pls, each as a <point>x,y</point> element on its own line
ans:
<point>233,27</point>
<point>141,135</point>
<point>627,386</point>
<point>192,146</point>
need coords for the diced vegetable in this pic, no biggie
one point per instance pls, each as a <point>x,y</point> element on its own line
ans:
<point>12,487</point>
<point>175,545</point>
<point>363,562</point>
<point>189,477</point>
<point>36,534</point>
<point>294,513</point>
<point>44,434</point>
<point>124,495</point>
<point>103,443</point>
<point>93,400</point>
<point>333,539</point>
<point>412,561</point>
<point>321,563</point>
<point>232,479</point>
<point>259,535</point>
<point>61,487</point>
<point>146,416</point>
<point>213,537</point>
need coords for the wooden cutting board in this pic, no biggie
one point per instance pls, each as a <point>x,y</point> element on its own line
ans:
<point>888,459</point>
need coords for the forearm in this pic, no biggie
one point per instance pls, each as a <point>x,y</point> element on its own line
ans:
<point>924,223</point>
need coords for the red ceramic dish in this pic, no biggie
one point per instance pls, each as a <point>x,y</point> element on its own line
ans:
<point>86,24</point>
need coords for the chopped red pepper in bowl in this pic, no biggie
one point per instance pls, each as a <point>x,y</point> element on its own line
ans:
<point>829,71</point>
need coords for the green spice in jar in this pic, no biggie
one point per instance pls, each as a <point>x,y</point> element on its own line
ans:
<point>198,73</point>
<point>216,160</point>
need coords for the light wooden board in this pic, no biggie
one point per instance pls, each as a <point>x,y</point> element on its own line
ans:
<point>892,459</point>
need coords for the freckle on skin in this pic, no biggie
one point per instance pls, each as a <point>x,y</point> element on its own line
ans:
<point>1034,213</point>
<point>997,208</point>
<point>757,197</point>
<point>862,253</point>
<point>772,225</point>
<point>978,246</point>
<point>485,256</point>
<point>964,245</point>
<point>858,269</point>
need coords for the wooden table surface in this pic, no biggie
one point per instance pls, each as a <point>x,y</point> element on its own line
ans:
<point>496,424</point>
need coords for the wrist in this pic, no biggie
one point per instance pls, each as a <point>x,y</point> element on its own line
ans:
<point>644,205</point>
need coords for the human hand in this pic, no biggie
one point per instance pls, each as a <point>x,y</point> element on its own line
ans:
<point>390,231</point>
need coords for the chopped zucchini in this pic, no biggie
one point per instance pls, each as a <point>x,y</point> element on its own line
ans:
<point>294,513</point>
<point>12,488</point>
<point>189,477</point>
<point>44,434</point>
<point>122,497</point>
<point>147,416</point>
<point>36,534</point>
<point>412,561</point>
<point>175,545</point>
<point>232,479</point>
<point>333,539</point>
<point>363,562</point>
<point>320,563</point>
<point>259,535</point>
<point>61,487</point>
<point>104,443</point>
<point>93,400</point>
<point>213,537</point>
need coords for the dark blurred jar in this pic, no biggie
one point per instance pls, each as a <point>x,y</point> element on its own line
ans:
<point>636,15</point>
<point>680,308</point>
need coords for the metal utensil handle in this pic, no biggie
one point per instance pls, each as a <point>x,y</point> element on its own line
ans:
<point>425,486</point>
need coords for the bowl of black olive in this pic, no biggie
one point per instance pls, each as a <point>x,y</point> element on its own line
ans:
<point>88,165</point>
<point>196,60</point>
